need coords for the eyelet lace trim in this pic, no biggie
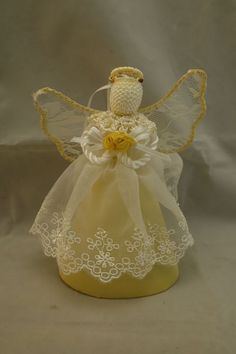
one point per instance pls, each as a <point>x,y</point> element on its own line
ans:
<point>106,259</point>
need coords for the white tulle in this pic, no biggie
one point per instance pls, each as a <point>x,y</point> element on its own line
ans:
<point>113,246</point>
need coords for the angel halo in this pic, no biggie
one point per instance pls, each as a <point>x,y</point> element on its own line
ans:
<point>112,220</point>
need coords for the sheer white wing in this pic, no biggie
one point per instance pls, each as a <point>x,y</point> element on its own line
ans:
<point>178,113</point>
<point>61,119</point>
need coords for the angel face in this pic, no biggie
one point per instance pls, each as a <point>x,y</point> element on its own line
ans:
<point>126,92</point>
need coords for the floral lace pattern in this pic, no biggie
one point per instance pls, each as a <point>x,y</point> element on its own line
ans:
<point>107,259</point>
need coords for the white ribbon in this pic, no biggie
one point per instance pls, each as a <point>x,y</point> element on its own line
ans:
<point>106,87</point>
<point>89,148</point>
<point>129,189</point>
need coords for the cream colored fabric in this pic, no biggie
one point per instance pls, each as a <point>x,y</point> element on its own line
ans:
<point>73,45</point>
<point>112,220</point>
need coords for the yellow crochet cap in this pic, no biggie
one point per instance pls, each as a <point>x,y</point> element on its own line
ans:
<point>126,70</point>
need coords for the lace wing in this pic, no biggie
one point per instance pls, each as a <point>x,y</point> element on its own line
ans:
<point>61,119</point>
<point>178,113</point>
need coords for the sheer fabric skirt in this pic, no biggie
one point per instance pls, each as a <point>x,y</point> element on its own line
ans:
<point>111,220</point>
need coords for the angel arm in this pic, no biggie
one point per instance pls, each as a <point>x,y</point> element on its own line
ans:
<point>61,119</point>
<point>178,113</point>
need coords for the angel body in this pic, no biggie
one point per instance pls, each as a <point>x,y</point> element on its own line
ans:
<point>114,210</point>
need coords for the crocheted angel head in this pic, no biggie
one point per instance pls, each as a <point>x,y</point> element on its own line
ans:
<point>126,90</point>
<point>124,131</point>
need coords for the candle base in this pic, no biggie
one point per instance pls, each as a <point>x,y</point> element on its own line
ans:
<point>159,279</point>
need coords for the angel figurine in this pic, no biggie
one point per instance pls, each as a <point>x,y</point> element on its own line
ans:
<point>112,220</point>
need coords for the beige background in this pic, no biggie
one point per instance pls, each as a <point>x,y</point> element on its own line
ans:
<point>72,46</point>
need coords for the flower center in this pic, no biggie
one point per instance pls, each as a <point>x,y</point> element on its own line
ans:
<point>119,141</point>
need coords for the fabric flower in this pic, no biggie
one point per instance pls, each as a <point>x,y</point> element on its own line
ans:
<point>119,141</point>
<point>133,149</point>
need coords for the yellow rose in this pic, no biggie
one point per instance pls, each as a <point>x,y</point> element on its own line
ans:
<point>119,141</point>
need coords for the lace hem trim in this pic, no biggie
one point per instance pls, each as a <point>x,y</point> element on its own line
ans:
<point>107,259</point>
